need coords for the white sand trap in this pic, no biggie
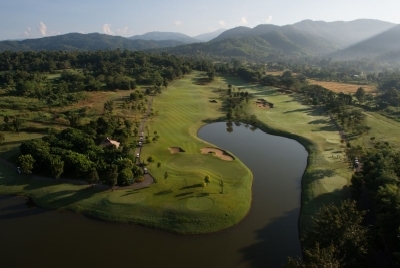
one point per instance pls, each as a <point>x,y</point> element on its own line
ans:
<point>218,153</point>
<point>175,150</point>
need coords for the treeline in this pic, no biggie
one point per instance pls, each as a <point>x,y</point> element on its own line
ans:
<point>76,153</point>
<point>29,73</point>
<point>379,181</point>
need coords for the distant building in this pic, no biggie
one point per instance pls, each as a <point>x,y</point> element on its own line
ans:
<point>108,142</point>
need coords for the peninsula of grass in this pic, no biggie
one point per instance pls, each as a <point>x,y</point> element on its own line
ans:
<point>182,201</point>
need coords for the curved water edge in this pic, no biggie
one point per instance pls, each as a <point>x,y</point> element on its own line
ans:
<point>264,237</point>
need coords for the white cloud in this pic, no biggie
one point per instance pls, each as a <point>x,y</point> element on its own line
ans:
<point>107,29</point>
<point>27,32</point>
<point>244,21</point>
<point>177,22</point>
<point>222,23</point>
<point>123,31</point>
<point>43,29</point>
<point>269,19</point>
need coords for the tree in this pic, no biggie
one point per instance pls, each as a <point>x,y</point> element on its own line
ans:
<point>360,94</point>
<point>165,176</point>
<point>337,230</point>
<point>159,164</point>
<point>17,123</point>
<point>26,163</point>
<point>111,175</point>
<point>151,159</point>
<point>125,177</point>
<point>92,176</point>
<point>56,167</point>
<point>207,179</point>
<point>2,138</point>
<point>109,107</point>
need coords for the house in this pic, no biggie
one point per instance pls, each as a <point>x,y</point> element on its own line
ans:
<point>108,142</point>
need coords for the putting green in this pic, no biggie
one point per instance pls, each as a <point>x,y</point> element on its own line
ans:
<point>200,203</point>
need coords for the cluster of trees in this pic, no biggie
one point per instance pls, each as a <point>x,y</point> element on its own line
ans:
<point>337,237</point>
<point>286,80</point>
<point>76,153</point>
<point>379,179</point>
<point>26,73</point>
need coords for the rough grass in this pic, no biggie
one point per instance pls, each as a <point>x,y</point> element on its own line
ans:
<point>180,203</point>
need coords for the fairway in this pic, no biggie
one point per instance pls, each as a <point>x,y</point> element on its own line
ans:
<point>180,202</point>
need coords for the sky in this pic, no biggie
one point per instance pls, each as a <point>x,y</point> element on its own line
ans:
<point>21,19</point>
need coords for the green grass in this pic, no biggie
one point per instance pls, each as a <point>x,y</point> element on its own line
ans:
<point>180,203</point>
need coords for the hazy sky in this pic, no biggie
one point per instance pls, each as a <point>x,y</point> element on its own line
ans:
<point>38,18</point>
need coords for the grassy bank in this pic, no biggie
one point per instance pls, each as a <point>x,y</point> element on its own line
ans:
<point>179,203</point>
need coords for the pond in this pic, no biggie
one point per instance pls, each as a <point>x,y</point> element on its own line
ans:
<point>267,235</point>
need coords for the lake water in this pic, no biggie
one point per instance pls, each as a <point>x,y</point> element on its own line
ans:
<point>31,237</point>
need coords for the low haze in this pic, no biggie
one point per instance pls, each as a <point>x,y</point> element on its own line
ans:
<point>38,18</point>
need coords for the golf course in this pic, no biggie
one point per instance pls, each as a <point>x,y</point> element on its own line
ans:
<point>182,201</point>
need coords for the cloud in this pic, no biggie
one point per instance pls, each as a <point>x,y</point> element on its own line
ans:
<point>269,19</point>
<point>27,32</point>
<point>177,22</point>
<point>222,23</point>
<point>43,29</point>
<point>107,29</point>
<point>122,31</point>
<point>244,21</point>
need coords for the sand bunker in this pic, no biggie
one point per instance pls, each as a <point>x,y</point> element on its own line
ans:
<point>219,153</point>
<point>176,150</point>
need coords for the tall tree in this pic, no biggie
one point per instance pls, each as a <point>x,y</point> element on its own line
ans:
<point>26,162</point>
<point>56,167</point>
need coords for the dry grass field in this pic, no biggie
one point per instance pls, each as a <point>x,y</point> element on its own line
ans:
<point>342,87</point>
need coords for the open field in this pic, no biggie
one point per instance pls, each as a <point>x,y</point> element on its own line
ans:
<point>342,87</point>
<point>180,203</point>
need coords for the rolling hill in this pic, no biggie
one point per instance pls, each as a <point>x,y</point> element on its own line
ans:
<point>205,37</point>
<point>162,36</point>
<point>380,46</point>
<point>77,41</point>
<point>343,33</point>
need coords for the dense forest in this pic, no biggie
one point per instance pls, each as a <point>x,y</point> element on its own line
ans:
<point>29,73</point>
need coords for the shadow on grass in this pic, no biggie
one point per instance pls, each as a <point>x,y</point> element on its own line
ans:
<point>202,194</point>
<point>184,194</point>
<point>318,121</point>
<point>191,186</point>
<point>319,174</point>
<point>132,192</point>
<point>165,192</point>
<point>67,197</point>
<point>10,210</point>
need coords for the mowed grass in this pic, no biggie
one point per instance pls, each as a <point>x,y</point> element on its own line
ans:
<point>342,87</point>
<point>327,176</point>
<point>179,204</point>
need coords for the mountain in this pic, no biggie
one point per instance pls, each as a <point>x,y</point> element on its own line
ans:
<point>338,34</point>
<point>205,37</point>
<point>160,36</point>
<point>344,33</point>
<point>77,41</point>
<point>382,46</point>
<point>284,41</point>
